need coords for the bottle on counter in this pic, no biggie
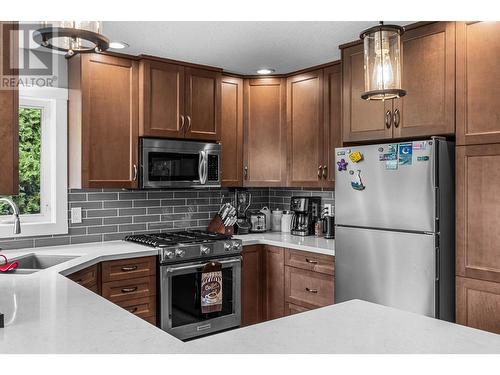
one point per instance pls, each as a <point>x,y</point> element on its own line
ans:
<point>318,227</point>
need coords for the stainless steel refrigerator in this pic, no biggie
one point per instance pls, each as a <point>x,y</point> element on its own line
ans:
<point>394,226</point>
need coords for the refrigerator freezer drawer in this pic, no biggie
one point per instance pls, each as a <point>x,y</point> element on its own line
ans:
<point>395,269</point>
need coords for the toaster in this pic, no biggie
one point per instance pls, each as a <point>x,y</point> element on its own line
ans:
<point>257,222</point>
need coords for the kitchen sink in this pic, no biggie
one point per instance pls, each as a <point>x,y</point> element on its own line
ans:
<point>32,263</point>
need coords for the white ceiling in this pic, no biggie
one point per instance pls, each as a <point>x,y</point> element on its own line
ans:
<point>239,47</point>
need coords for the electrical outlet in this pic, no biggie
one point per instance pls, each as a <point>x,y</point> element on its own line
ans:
<point>327,209</point>
<point>76,215</point>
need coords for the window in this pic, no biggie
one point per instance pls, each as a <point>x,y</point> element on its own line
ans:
<point>42,197</point>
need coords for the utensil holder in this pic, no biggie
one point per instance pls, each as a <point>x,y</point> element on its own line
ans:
<point>217,226</point>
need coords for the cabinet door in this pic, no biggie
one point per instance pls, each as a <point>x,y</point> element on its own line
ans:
<point>332,95</point>
<point>161,100</point>
<point>274,282</point>
<point>9,112</point>
<point>478,82</point>
<point>264,154</point>
<point>203,98</point>
<point>110,121</point>
<point>305,129</point>
<point>251,285</point>
<point>232,132</point>
<point>478,212</point>
<point>428,76</point>
<point>363,120</point>
<point>478,304</point>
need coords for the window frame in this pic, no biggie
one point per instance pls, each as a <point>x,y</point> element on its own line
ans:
<point>53,216</point>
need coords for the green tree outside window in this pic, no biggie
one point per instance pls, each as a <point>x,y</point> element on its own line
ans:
<point>30,132</point>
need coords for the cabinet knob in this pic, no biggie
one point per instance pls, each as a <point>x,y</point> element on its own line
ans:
<point>319,171</point>
<point>135,172</point>
<point>189,122</point>
<point>245,172</point>
<point>325,172</point>
<point>182,122</point>
<point>388,119</point>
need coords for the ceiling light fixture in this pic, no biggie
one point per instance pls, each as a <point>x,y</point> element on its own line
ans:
<point>265,71</point>
<point>118,45</point>
<point>382,46</point>
<point>72,36</point>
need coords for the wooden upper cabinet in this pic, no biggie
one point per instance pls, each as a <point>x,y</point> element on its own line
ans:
<point>478,212</point>
<point>264,160</point>
<point>305,129</point>
<point>362,120</point>
<point>203,104</point>
<point>161,99</point>
<point>478,82</point>
<point>103,121</point>
<point>232,132</point>
<point>9,111</point>
<point>332,96</point>
<point>478,304</point>
<point>428,76</point>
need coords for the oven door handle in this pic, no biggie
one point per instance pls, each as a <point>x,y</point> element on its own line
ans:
<point>199,265</point>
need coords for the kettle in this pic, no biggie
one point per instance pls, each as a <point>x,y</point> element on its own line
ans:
<point>329,226</point>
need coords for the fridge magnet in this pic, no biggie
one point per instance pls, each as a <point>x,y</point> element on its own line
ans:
<point>405,153</point>
<point>380,149</point>
<point>419,145</point>
<point>385,157</point>
<point>422,158</point>
<point>340,153</point>
<point>358,183</point>
<point>356,156</point>
<point>342,165</point>
<point>351,172</point>
<point>392,148</point>
<point>391,165</point>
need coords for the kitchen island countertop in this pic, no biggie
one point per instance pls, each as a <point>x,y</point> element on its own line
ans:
<point>46,312</point>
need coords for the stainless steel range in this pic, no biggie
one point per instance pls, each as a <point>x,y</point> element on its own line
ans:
<point>182,256</point>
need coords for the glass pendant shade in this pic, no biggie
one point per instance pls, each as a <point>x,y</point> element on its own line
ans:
<point>382,62</point>
<point>72,36</point>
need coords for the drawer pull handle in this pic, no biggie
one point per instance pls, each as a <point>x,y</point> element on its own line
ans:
<point>129,290</point>
<point>133,310</point>
<point>129,268</point>
<point>312,290</point>
<point>311,261</point>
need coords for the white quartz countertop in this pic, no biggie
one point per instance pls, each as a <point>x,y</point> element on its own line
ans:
<point>308,243</point>
<point>47,313</point>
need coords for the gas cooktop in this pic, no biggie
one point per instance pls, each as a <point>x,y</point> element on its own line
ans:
<point>188,245</point>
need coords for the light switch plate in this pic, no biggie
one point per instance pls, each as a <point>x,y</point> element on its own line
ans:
<point>327,209</point>
<point>76,215</point>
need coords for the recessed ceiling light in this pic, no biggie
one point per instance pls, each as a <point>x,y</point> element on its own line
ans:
<point>265,71</point>
<point>118,45</point>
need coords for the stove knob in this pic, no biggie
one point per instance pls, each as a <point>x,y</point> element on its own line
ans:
<point>169,254</point>
<point>204,250</point>
<point>179,253</point>
<point>227,246</point>
<point>236,245</point>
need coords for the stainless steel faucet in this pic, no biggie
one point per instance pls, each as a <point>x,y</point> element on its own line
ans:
<point>15,210</point>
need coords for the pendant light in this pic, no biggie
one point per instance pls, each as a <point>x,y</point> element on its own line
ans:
<point>72,36</point>
<point>382,63</point>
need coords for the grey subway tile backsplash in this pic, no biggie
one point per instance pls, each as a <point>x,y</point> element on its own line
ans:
<point>112,214</point>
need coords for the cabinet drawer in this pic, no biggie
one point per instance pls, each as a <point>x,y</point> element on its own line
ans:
<point>128,268</point>
<point>123,290</point>
<point>88,277</point>
<point>142,307</point>
<point>307,288</point>
<point>310,261</point>
<point>292,309</point>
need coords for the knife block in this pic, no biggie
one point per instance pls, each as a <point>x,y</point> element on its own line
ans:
<point>217,226</point>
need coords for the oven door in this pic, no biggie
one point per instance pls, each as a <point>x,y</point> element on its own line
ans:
<point>180,300</point>
<point>170,163</point>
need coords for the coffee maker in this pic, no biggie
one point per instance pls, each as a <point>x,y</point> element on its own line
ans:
<point>306,211</point>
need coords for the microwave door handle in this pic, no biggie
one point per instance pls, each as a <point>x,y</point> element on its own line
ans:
<point>202,169</point>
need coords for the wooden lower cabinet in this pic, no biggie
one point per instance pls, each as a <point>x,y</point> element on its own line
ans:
<point>271,288</point>
<point>129,283</point>
<point>251,285</point>
<point>478,304</point>
<point>291,309</point>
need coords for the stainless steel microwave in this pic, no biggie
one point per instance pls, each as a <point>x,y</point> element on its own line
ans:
<point>167,163</point>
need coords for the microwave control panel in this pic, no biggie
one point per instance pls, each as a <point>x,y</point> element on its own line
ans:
<point>213,168</point>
